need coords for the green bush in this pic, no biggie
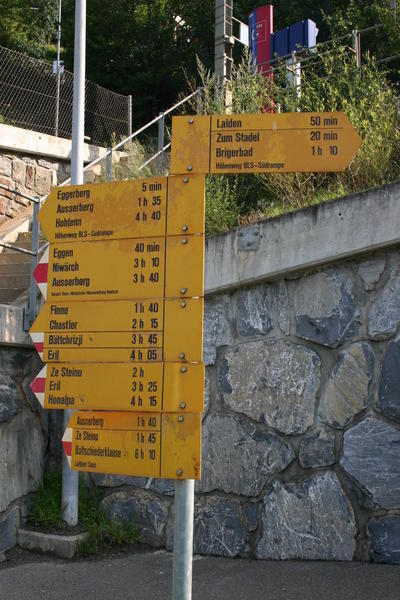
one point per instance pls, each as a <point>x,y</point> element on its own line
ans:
<point>102,532</point>
<point>330,81</point>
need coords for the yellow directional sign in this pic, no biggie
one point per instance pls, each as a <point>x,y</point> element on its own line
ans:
<point>262,143</point>
<point>124,209</point>
<point>145,444</point>
<point>120,331</point>
<point>164,387</point>
<point>125,269</point>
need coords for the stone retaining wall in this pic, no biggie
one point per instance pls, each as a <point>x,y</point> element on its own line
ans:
<point>26,439</point>
<point>301,433</point>
<point>32,163</point>
<point>301,430</point>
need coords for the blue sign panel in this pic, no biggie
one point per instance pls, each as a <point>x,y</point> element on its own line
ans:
<point>299,35</point>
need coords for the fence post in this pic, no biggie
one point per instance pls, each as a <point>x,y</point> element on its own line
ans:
<point>109,164</point>
<point>31,312</point>
<point>160,157</point>
<point>356,39</point>
<point>198,100</point>
<point>129,115</point>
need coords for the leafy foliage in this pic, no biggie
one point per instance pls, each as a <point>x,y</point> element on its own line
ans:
<point>101,530</point>
<point>330,82</point>
<point>28,26</point>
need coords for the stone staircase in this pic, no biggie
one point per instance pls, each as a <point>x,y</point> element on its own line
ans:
<point>15,269</point>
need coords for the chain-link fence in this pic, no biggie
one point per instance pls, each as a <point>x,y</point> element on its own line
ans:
<point>29,99</point>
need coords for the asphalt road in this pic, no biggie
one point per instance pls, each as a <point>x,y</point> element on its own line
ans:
<point>148,577</point>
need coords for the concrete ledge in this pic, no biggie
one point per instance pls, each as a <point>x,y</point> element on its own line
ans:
<point>64,546</point>
<point>307,238</point>
<point>12,326</point>
<point>26,141</point>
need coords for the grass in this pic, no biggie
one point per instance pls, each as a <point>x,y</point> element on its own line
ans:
<point>102,532</point>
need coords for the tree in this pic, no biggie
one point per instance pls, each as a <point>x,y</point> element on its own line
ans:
<point>28,26</point>
<point>138,48</point>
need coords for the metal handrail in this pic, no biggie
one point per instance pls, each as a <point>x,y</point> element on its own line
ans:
<point>109,151</point>
<point>155,156</point>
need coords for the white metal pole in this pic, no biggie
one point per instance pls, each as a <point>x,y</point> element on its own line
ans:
<point>58,69</point>
<point>183,540</point>
<point>70,478</point>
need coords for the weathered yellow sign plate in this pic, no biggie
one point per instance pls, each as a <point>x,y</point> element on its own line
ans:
<point>124,209</point>
<point>120,331</point>
<point>263,143</point>
<point>164,387</point>
<point>124,269</point>
<point>144,445</point>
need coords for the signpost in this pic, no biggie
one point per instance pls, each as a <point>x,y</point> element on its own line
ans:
<point>123,277</point>
<point>124,209</point>
<point>120,331</point>
<point>263,143</point>
<point>146,445</point>
<point>123,269</point>
<point>162,387</point>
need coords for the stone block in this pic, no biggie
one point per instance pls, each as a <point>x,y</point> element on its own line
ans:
<point>5,166</point>
<point>254,311</point>
<point>8,529</point>
<point>9,184</point>
<point>384,316</point>
<point>371,456</point>
<point>282,306</point>
<point>63,546</point>
<point>30,177</point>
<point>346,392</point>
<point>18,362</point>
<point>42,181</point>
<point>8,399</point>
<point>20,199</point>
<point>21,457</point>
<point>240,457</point>
<point>325,309</point>
<point>370,272</point>
<point>385,540</point>
<point>317,449</point>
<point>207,392</point>
<point>389,385</point>
<point>44,163</point>
<point>143,510</point>
<point>218,529</point>
<point>272,381</point>
<point>217,326</point>
<point>251,512</point>
<point>106,480</point>
<point>18,170</point>
<point>310,521</point>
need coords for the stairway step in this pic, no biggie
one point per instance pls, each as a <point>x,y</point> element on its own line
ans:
<point>17,268</point>
<point>27,244</point>
<point>14,281</point>
<point>11,256</point>
<point>9,295</point>
<point>24,236</point>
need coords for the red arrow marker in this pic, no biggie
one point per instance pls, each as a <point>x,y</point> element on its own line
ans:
<point>67,443</point>
<point>38,385</point>
<point>38,342</point>
<point>40,273</point>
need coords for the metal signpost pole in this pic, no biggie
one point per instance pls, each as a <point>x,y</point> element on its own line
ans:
<point>69,477</point>
<point>183,540</point>
<point>223,47</point>
<point>160,158</point>
<point>58,70</point>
